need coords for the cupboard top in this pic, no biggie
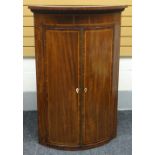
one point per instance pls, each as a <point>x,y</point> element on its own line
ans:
<point>77,9</point>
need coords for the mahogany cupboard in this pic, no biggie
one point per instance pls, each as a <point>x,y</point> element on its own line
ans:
<point>77,61</point>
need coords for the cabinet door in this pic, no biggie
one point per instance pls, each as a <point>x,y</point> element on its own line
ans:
<point>61,59</point>
<point>98,108</point>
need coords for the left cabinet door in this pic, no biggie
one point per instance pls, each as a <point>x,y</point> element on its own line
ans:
<point>61,53</point>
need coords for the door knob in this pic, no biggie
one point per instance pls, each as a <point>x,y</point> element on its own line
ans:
<point>85,90</point>
<point>77,90</point>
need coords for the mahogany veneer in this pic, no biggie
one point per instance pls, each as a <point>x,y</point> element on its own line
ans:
<point>77,62</point>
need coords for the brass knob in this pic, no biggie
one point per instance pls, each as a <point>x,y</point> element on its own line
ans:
<point>85,90</point>
<point>77,90</point>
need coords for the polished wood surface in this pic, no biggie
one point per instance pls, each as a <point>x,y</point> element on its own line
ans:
<point>80,9</point>
<point>77,62</point>
<point>62,50</point>
<point>98,75</point>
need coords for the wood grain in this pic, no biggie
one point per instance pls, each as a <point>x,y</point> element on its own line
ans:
<point>62,50</point>
<point>125,31</point>
<point>29,41</point>
<point>41,96</point>
<point>124,51</point>
<point>77,51</point>
<point>98,66</point>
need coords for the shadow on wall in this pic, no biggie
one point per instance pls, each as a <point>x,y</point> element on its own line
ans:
<point>124,101</point>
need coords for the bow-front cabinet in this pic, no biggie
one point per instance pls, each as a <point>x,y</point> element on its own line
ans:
<point>77,62</point>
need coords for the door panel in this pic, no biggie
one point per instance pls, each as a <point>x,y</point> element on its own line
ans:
<point>61,54</point>
<point>98,74</point>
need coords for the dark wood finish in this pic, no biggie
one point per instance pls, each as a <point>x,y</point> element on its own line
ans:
<point>61,86</point>
<point>80,9</point>
<point>98,78</point>
<point>77,49</point>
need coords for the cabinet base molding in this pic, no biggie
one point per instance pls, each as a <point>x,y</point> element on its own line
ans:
<point>77,147</point>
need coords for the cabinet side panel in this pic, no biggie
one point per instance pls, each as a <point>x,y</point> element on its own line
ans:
<point>41,96</point>
<point>98,77</point>
<point>115,78</point>
<point>62,48</point>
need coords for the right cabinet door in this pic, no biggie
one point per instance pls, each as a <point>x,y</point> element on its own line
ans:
<point>98,107</point>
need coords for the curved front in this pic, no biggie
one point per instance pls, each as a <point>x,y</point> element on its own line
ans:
<point>76,147</point>
<point>84,119</point>
<point>77,79</point>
